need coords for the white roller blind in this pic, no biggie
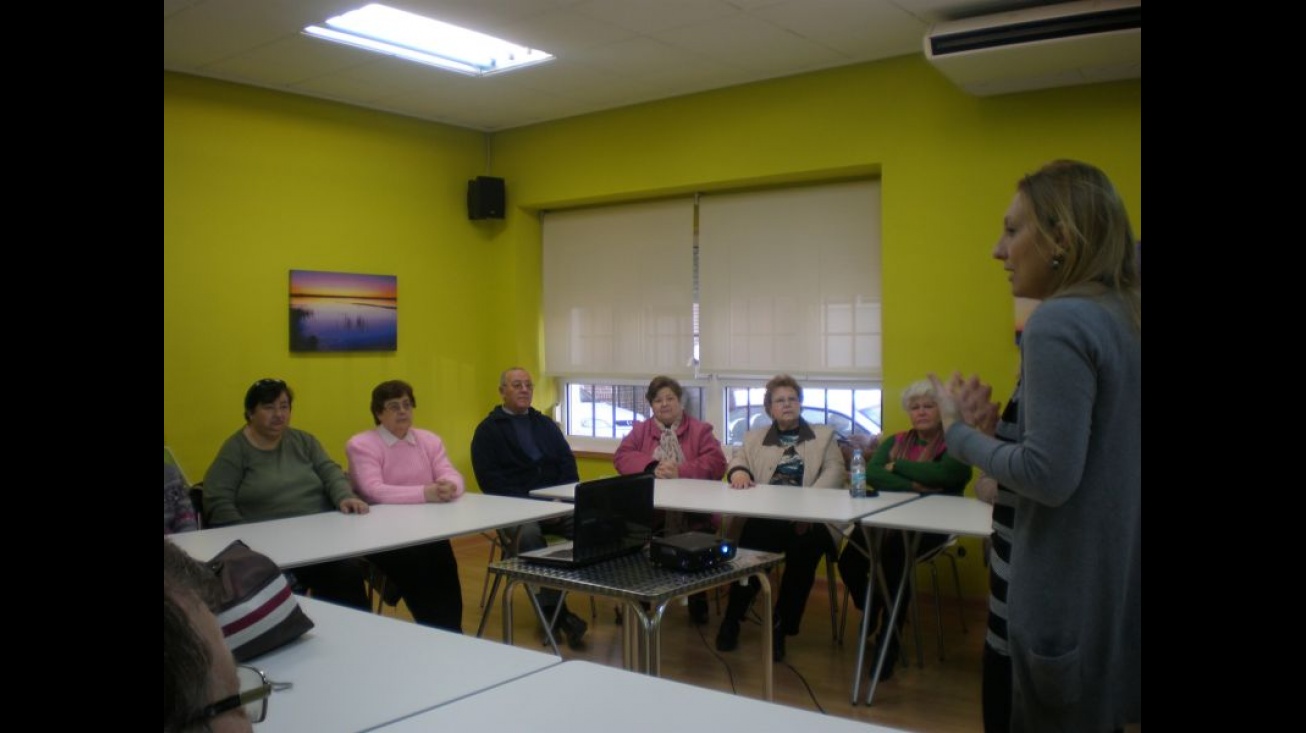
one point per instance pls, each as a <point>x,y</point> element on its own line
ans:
<point>618,290</point>
<point>790,281</point>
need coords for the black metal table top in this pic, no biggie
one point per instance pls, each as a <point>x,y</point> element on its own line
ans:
<point>634,577</point>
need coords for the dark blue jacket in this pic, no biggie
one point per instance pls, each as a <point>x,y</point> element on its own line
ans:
<point>502,467</point>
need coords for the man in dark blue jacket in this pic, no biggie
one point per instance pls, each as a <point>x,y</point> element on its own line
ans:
<point>516,449</point>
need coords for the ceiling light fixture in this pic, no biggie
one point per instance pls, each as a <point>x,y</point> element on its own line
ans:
<point>398,33</point>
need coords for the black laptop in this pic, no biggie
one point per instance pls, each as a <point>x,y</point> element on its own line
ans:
<point>613,517</point>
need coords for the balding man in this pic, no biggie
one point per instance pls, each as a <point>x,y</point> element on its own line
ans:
<point>516,449</point>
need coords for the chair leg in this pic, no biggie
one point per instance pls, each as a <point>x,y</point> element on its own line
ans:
<point>485,609</point>
<point>485,584</point>
<point>843,615</point>
<point>375,590</point>
<point>938,604</point>
<point>956,582</point>
<point>913,597</point>
<point>832,589</point>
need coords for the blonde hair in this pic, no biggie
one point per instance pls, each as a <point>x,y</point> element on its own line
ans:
<point>1080,215</point>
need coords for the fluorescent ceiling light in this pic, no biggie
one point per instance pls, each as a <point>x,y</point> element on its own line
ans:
<point>416,38</point>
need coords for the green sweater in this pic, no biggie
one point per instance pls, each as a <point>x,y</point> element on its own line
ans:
<point>247,484</point>
<point>947,474</point>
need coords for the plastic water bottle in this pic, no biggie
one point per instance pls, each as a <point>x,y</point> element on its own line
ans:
<point>858,470</point>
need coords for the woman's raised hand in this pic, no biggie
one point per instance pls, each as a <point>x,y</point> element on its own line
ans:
<point>967,400</point>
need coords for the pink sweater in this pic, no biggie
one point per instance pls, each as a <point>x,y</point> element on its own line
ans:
<point>703,455</point>
<point>397,474</point>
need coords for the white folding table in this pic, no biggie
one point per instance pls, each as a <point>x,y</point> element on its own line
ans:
<point>314,538</point>
<point>805,504</point>
<point>356,670</point>
<point>582,697</point>
<point>833,507</point>
<point>959,515</point>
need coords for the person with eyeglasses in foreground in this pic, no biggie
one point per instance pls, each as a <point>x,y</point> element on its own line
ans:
<point>515,450</point>
<point>788,452</point>
<point>269,470</point>
<point>203,687</point>
<point>1074,601</point>
<point>396,463</point>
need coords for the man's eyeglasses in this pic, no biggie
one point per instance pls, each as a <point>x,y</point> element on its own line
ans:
<point>397,405</point>
<point>255,687</point>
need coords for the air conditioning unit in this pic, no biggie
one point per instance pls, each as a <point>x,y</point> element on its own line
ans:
<point>1040,47</point>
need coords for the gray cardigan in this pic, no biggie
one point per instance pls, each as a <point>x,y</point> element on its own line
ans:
<point>1075,599</point>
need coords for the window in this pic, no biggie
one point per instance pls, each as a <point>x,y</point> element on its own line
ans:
<point>722,290</point>
<point>605,410</point>
<point>849,410</point>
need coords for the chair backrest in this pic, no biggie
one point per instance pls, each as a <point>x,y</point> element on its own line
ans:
<point>197,502</point>
<point>169,458</point>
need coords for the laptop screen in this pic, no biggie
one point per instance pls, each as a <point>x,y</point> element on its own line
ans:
<point>613,512</point>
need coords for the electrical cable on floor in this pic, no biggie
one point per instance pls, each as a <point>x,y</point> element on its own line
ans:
<point>711,648</point>
<point>810,692</point>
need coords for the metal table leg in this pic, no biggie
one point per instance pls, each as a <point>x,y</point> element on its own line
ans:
<point>908,562</point>
<point>870,536</point>
<point>539,613</point>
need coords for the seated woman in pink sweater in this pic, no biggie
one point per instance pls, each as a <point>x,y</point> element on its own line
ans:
<point>674,445</point>
<point>396,463</point>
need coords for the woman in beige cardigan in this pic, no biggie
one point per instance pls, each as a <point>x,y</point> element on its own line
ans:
<point>789,452</point>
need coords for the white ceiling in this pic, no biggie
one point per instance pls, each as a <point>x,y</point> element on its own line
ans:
<point>610,53</point>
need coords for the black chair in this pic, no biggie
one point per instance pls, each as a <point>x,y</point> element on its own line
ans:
<point>196,493</point>
<point>381,590</point>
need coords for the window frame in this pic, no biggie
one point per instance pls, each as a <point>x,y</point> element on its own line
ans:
<point>601,444</point>
<point>731,431</point>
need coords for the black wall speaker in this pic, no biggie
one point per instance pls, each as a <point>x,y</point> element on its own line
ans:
<point>485,198</point>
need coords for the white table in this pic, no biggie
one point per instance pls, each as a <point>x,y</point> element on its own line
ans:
<point>829,506</point>
<point>833,507</point>
<point>582,697</point>
<point>355,670</point>
<point>957,515</point>
<point>314,538</point>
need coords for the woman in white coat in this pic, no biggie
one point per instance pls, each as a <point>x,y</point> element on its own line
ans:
<point>789,452</point>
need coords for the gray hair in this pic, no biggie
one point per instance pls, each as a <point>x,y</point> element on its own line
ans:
<point>503,376</point>
<point>921,388</point>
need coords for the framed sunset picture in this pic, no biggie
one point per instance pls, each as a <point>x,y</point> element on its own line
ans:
<point>341,311</point>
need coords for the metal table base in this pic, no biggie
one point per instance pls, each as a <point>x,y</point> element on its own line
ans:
<point>636,582</point>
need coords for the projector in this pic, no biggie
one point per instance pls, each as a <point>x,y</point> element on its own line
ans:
<point>690,551</point>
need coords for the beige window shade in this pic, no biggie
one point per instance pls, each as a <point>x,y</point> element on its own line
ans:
<point>618,290</point>
<point>790,281</point>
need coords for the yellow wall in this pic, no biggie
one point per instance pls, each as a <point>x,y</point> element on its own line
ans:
<point>257,183</point>
<point>948,162</point>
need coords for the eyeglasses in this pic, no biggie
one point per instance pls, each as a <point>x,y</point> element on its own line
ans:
<point>398,405</point>
<point>255,687</point>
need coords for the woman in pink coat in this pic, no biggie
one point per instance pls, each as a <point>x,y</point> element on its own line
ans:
<point>674,445</point>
